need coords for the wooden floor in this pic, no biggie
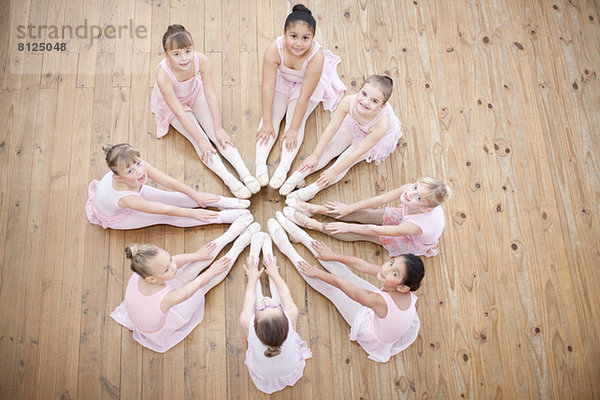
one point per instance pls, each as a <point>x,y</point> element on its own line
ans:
<point>500,98</point>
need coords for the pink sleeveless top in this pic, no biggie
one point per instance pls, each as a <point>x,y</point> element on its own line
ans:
<point>102,207</point>
<point>384,337</point>
<point>186,92</point>
<point>144,311</point>
<point>387,144</point>
<point>431,223</point>
<point>330,88</point>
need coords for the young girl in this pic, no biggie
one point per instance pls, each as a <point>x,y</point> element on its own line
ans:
<point>163,305</point>
<point>121,200</point>
<point>276,354</point>
<point>297,75</point>
<point>363,127</point>
<point>383,321</point>
<point>414,227</point>
<point>184,96</point>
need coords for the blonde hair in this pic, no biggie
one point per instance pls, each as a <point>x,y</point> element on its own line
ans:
<point>140,255</point>
<point>119,156</point>
<point>435,191</point>
<point>383,82</point>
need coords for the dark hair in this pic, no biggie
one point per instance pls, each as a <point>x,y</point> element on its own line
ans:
<point>383,82</point>
<point>119,155</point>
<point>415,271</point>
<point>301,13</point>
<point>272,332</point>
<point>176,37</point>
<point>139,256</point>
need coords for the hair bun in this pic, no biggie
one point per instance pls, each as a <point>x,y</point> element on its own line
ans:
<point>131,251</point>
<point>107,148</point>
<point>390,79</point>
<point>301,8</point>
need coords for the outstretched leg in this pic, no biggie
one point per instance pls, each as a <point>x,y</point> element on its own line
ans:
<point>238,246</point>
<point>231,153</point>
<point>340,142</point>
<point>216,164</point>
<point>280,103</point>
<point>345,305</point>
<point>287,157</point>
<point>192,270</point>
<point>311,191</point>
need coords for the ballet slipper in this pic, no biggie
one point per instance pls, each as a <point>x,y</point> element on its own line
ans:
<point>239,225</point>
<point>263,179</point>
<point>303,221</point>
<point>293,195</point>
<point>276,182</point>
<point>230,202</point>
<point>231,215</point>
<point>251,183</point>
<point>276,232</point>
<point>290,227</point>
<point>239,190</point>
<point>246,237</point>
<point>293,202</point>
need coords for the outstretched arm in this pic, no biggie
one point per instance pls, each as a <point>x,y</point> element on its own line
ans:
<point>367,298</point>
<point>404,229</point>
<point>204,253</point>
<point>177,296</point>
<point>153,207</point>
<point>272,269</point>
<point>326,254</point>
<point>339,210</point>
<point>160,177</point>
<point>251,268</point>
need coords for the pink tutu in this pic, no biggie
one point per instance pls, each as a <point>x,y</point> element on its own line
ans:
<point>180,322</point>
<point>330,88</point>
<point>431,223</point>
<point>95,216</point>
<point>186,93</point>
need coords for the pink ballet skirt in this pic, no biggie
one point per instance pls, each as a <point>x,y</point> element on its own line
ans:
<point>386,145</point>
<point>286,368</point>
<point>367,330</point>
<point>431,223</point>
<point>179,321</point>
<point>330,88</point>
<point>186,91</point>
<point>98,218</point>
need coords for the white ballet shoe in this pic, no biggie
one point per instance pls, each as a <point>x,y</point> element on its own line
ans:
<point>290,214</point>
<point>293,231</point>
<point>239,225</point>
<point>289,186</point>
<point>277,233</point>
<point>240,191</point>
<point>293,195</point>
<point>276,181</point>
<point>246,237</point>
<point>293,202</point>
<point>251,183</point>
<point>263,179</point>
<point>231,215</point>
<point>230,202</point>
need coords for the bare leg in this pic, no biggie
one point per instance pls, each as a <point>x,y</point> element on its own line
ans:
<point>287,157</point>
<point>280,103</point>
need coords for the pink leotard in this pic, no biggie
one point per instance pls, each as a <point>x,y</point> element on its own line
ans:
<point>285,369</point>
<point>387,144</point>
<point>330,88</point>
<point>384,337</point>
<point>186,92</point>
<point>151,327</point>
<point>431,223</point>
